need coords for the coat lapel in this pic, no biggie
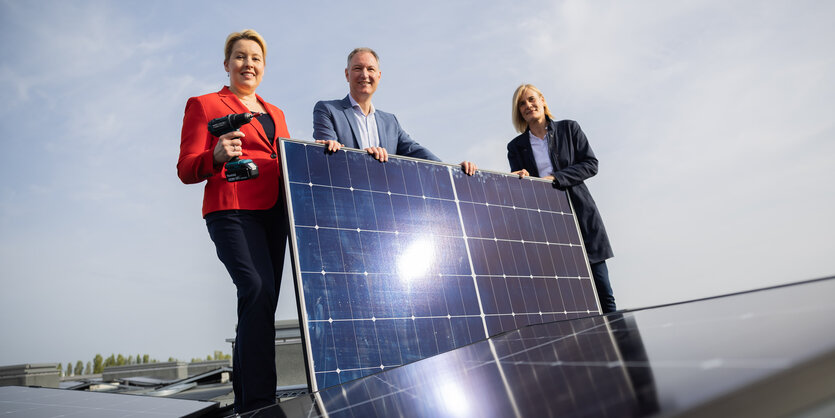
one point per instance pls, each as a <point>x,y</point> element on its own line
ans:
<point>526,151</point>
<point>553,145</point>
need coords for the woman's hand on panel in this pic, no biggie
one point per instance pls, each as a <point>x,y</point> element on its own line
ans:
<point>521,173</point>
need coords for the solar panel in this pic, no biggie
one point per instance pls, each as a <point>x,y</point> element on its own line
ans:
<point>399,261</point>
<point>18,401</point>
<point>760,353</point>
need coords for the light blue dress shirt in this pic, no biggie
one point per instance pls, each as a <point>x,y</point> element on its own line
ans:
<point>367,124</point>
<point>541,155</point>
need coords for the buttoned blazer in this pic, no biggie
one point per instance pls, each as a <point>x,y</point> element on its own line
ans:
<point>335,120</point>
<point>574,162</point>
<point>196,162</point>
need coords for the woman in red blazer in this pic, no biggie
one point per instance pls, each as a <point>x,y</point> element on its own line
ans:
<point>246,219</point>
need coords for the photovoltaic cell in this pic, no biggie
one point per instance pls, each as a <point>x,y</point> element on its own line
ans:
<point>18,401</point>
<point>756,353</point>
<point>402,260</point>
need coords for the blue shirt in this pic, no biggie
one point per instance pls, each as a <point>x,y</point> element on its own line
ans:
<point>541,155</point>
<point>367,124</point>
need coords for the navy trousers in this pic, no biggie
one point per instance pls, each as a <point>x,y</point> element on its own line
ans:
<point>604,289</point>
<point>250,243</point>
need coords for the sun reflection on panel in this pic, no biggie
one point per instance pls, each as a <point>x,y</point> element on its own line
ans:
<point>417,259</point>
<point>454,399</point>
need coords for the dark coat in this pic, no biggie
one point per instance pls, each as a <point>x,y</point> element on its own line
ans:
<point>573,162</point>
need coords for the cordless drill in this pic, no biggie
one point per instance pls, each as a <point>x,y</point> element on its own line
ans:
<point>236,169</point>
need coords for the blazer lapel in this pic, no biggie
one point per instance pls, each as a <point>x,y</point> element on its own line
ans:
<point>235,106</point>
<point>228,98</point>
<point>388,140</point>
<point>348,112</point>
<point>260,128</point>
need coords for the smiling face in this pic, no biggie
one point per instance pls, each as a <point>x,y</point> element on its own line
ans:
<point>245,66</point>
<point>363,74</point>
<point>531,106</point>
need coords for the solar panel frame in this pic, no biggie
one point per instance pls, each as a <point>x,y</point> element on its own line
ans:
<point>434,200</point>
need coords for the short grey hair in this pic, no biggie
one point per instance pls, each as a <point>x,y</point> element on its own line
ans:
<point>362,49</point>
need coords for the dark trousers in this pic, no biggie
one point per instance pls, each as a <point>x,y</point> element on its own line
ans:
<point>250,243</point>
<point>604,289</point>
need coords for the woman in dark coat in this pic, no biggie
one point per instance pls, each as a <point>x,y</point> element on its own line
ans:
<point>559,151</point>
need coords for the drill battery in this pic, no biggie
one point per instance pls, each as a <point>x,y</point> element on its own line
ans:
<point>236,169</point>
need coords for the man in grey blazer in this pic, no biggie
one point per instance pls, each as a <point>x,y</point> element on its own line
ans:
<point>354,122</point>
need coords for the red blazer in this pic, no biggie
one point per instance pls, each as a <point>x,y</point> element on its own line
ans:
<point>197,144</point>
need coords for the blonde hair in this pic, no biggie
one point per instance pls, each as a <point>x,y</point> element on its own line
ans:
<point>249,34</point>
<point>516,116</point>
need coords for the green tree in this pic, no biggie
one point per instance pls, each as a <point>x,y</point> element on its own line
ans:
<point>69,370</point>
<point>110,361</point>
<point>130,359</point>
<point>146,358</point>
<point>120,360</point>
<point>79,368</point>
<point>98,364</point>
<point>60,369</point>
<point>89,368</point>
<point>138,359</point>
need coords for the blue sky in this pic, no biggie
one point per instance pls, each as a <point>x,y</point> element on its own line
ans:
<point>712,121</point>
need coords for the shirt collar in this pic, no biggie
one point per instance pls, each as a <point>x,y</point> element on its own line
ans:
<point>533,137</point>
<point>356,105</point>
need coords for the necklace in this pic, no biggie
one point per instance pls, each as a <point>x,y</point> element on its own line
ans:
<point>252,103</point>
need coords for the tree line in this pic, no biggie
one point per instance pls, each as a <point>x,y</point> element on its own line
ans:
<point>98,364</point>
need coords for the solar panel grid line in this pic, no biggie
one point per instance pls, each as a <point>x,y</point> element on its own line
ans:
<point>492,218</point>
<point>610,361</point>
<point>359,230</point>
<point>346,213</point>
<point>389,403</point>
<point>391,318</point>
<point>381,365</point>
<point>584,255</point>
<point>469,254</point>
<point>382,405</point>
<point>539,210</point>
<point>510,395</point>
<point>388,400</point>
<point>522,359</point>
<point>392,389</point>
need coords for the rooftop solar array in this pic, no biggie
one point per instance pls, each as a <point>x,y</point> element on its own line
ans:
<point>18,401</point>
<point>402,260</point>
<point>758,354</point>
